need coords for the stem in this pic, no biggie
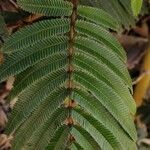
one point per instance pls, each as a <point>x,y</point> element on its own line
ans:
<point>70,104</point>
<point>72,34</point>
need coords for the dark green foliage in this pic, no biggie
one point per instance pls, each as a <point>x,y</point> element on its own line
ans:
<point>102,116</point>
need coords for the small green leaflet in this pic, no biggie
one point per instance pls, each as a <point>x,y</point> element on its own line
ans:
<point>136,6</point>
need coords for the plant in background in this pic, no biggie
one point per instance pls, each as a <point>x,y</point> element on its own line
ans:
<point>136,6</point>
<point>72,85</point>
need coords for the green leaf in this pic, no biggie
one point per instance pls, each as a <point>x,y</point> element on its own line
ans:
<point>98,16</point>
<point>34,33</point>
<point>118,9</point>
<point>136,6</point>
<point>47,7</point>
<point>72,87</point>
<point>59,141</point>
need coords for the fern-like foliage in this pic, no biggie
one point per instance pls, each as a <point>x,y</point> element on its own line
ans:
<point>73,88</point>
<point>119,9</point>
